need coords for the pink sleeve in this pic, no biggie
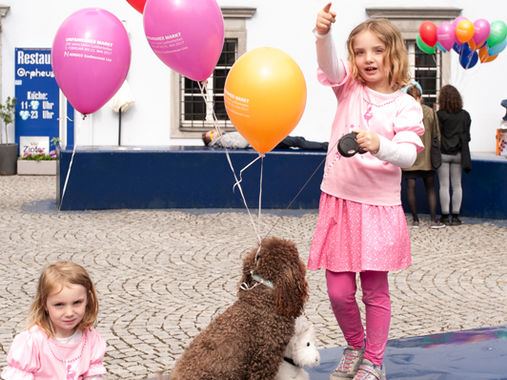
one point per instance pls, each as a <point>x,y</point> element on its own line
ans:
<point>98,349</point>
<point>408,124</point>
<point>23,358</point>
<point>323,78</point>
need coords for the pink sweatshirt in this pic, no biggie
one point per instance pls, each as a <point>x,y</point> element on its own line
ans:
<point>396,117</point>
<point>33,355</point>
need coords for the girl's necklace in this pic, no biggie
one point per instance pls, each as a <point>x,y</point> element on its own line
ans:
<point>67,362</point>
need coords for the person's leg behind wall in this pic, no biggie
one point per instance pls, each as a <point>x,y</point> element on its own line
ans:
<point>301,143</point>
<point>444,191</point>
<point>377,303</point>
<point>411,200</point>
<point>456,171</point>
<point>431,194</point>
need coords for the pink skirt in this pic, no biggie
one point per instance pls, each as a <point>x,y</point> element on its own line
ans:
<point>356,237</point>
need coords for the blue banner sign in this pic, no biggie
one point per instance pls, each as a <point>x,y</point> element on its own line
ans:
<point>37,94</point>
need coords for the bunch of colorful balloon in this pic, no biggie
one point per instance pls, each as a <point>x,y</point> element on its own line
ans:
<point>475,41</point>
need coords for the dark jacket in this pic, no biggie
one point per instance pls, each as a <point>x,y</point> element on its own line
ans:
<point>455,135</point>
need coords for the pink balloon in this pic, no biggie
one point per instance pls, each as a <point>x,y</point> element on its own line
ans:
<point>187,35</point>
<point>445,35</point>
<point>90,58</point>
<point>454,24</point>
<point>482,29</point>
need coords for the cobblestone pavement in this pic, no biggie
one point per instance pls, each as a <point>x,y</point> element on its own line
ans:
<point>162,275</point>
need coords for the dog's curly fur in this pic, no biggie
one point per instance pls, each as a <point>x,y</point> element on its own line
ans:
<point>248,340</point>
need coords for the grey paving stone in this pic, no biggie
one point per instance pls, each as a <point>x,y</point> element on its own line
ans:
<point>162,275</point>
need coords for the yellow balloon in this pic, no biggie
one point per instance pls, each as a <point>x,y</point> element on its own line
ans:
<point>265,96</point>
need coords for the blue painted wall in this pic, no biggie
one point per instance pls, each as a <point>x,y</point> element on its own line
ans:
<point>200,177</point>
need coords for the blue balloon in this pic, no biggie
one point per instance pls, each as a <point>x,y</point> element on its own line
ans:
<point>467,57</point>
<point>497,48</point>
<point>457,48</point>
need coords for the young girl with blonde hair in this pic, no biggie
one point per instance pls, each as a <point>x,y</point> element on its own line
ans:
<point>361,225</point>
<point>61,342</point>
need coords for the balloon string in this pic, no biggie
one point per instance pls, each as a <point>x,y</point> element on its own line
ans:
<point>242,170</point>
<point>297,195</point>
<point>217,128</point>
<point>260,192</point>
<point>238,184</point>
<point>303,187</point>
<point>67,177</point>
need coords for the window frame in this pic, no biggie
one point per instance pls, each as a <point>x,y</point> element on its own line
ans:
<point>200,125</point>
<point>234,28</point>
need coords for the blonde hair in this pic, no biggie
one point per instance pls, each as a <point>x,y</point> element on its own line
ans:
<point>52,280</point>
<point>396,52</point>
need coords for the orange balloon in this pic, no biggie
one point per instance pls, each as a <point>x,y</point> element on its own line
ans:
<point>472,44</point>
<point>265,96</point>
<point>484,55</point>
<point>464,30</point>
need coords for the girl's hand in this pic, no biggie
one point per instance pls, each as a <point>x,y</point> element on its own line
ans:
<point>368,141</point>
<point>325,18</point>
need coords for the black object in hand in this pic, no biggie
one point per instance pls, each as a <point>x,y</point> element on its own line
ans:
<point>347,146</point>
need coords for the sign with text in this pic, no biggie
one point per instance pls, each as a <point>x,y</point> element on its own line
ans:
<point>33,145</point>
<point>37,94</point>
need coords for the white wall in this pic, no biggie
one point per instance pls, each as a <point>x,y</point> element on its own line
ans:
<point>284,24</point>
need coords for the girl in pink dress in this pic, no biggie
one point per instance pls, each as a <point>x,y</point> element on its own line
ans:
<point>361,225</point>
<point>60,342</point>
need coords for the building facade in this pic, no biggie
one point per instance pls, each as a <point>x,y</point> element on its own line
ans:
<point>169,109</point>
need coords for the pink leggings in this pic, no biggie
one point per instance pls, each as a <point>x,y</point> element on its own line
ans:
<point>341,288</point>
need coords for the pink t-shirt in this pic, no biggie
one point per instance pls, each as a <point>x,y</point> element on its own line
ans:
<point>33,355</point>
<point>364,178</point>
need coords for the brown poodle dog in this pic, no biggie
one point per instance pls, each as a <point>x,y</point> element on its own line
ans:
<point>248,340</point>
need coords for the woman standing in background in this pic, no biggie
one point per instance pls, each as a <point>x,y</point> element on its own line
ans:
<point>422,167</point>
<point>455,135</point>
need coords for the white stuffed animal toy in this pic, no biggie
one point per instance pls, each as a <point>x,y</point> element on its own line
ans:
<point>300,352</point>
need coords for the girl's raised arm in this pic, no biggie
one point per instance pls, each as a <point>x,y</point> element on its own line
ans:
<point>326,54</point>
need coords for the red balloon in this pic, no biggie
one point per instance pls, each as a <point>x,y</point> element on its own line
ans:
<point>428,33</point>
<point>138,5</point>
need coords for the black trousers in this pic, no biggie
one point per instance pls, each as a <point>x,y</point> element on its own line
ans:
<point>301,143</point>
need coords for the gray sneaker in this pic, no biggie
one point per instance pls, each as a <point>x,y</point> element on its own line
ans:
<point>349,364</point>
<point>369,371</point>
<point>436,224</point>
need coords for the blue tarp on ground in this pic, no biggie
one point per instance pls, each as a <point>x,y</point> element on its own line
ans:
<point>463,355</point>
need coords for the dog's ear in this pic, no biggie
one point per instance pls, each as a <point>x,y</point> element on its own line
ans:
<point>291,290</point>
<point>248,266</point>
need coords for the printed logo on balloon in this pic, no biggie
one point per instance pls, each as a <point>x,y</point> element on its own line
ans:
<point>186,35</point>
<point>265,96</point>
<point>90,57</point>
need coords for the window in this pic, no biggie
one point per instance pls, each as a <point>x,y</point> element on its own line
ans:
<point>196,113</point>
<point>191,114</point>
<point>430,70</point>
<point>426,70</point>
